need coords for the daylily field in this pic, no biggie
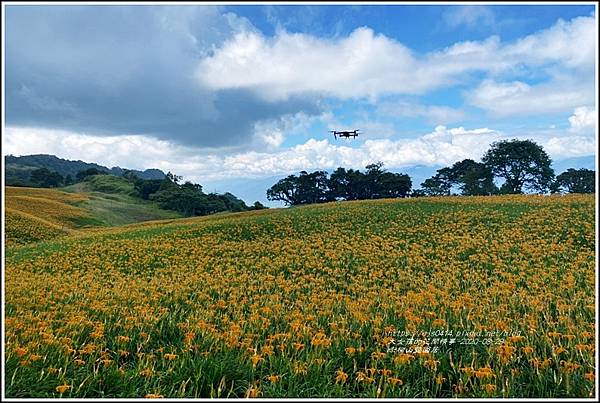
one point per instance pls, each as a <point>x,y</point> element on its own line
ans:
<point>311,301</point>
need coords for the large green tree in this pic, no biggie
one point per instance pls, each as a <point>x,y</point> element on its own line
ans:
<point>439,184</point>
<point>285,190</point>
<point>523,164</point>
<point>575,181</point>
<point>473,178</point>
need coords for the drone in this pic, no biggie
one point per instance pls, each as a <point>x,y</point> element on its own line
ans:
<point>345,133</point>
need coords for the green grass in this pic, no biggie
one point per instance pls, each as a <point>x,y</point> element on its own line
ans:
<point>104,184</point>
<point>114,210</point>
<point>111,203</point>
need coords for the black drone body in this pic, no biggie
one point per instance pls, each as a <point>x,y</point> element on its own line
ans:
<point>345,133</point>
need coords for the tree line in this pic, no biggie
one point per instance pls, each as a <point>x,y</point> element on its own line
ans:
<point>342,184</point>
<point>520,165</point>
<point>46,178</point>
<point>186,198</point>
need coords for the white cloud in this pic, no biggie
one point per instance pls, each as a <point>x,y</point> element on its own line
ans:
<point>443,146</point>
<point>272,133</point>
<point>368,65</point>
<point>363,64</point>
<point>469,16</point>
<point>583,120</point>
<point>570,43</point>
<point>572,146</point>
<point>519,98</point>
<point>140,152</point>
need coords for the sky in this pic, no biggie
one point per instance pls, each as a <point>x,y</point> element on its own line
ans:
<point>235,97</point>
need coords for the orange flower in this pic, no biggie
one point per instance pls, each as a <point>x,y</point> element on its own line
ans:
<point>274,378</point>
<point>527,350</point>
<point>21,351</point>
<point>341,376</point>
<point>63,388</point>
<point>253,392</point>
<point>256,358</point>
<point>395,381</point>
<point>403,358</point>
<point>377,355</point>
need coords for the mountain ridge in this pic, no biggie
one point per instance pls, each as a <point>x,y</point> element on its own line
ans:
<point>18,169</point>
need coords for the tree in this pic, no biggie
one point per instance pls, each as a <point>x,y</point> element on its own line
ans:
<point>473,178</point>
<point>173,178</point>
<point>130,175</point>
<point>257,206</point>
<point>418,193</point>
<point>373,178</point>
<point>312,187</point>
<point>338,184</point>
<point>82,175</point>
<point>232,203</point>
<point>523,164</point>
<point>439,184</point>
<point>46,178</point>
<point>394,185</point>
<point>358,188</point>
<point>285,190</point>
<point>575,181</point>
<point>144,188</point>
<point>434,186</point>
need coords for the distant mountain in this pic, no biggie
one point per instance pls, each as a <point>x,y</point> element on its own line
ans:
<point>18,169</point>
<point>587,162</point>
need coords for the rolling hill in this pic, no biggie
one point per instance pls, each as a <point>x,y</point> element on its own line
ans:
<point>313,301</point>
<point>35,214</point>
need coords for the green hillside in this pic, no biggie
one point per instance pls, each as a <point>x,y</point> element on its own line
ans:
<point>110,202</point>
<point>36,214</point>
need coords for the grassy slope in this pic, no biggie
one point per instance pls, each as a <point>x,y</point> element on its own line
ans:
<point>343,270</point>
<point>34,215</point>
<point>111,203</point>
<point>103,201</point>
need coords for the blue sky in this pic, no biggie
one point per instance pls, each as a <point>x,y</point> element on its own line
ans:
<point>233,97</point>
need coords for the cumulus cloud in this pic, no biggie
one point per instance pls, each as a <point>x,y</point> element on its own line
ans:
<point>519,98</point>
<point>559,147</point>
<point>366,64</point>
<point>584,119</point>
<point>289,63</point>
<point>442,146</point>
